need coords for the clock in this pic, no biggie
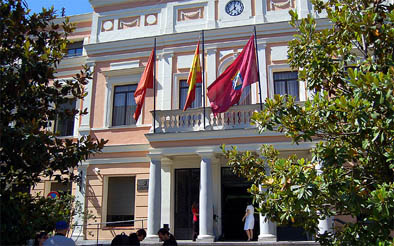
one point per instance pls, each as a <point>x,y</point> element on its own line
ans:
<point>234,7</point>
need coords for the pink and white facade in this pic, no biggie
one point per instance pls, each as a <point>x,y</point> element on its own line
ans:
<point>181,160</point>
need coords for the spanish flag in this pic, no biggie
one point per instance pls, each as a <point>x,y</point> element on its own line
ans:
<point>194,77</point>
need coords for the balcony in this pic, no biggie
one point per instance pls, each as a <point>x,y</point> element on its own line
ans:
<point>172,121</point>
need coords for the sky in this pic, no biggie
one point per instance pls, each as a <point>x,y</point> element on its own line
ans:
<point>73,7</point>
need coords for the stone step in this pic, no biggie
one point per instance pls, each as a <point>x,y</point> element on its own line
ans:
<point>191,243</point>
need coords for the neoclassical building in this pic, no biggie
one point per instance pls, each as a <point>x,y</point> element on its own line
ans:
<point>153,169</point>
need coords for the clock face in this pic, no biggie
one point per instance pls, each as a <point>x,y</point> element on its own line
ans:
<point>234,7</point>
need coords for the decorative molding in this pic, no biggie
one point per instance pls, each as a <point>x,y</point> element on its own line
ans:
<point>129,22</point>
<point>190,14</point>
<point>107,25</point>
<point>151,19</point>
<point>280,5</point>
<point>104,161</point>
<point>125,148</point>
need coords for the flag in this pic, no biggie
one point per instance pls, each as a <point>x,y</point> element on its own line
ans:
<point>194,77</point>
<point>146,81</point>
<point>227,89</point>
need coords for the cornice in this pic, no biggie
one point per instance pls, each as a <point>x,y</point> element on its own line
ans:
<point>209,134</point>
<point>75,18</point>
<point>215,149</point>
<point>213,39</point>
<point>102,3</point>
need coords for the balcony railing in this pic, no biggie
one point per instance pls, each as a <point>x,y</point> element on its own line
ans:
<point>237,117</point>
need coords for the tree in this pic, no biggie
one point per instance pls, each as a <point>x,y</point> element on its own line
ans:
<point>31,47</point>
<point>350,69</point>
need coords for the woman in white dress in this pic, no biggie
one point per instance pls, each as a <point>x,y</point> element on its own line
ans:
<point>249,221</point>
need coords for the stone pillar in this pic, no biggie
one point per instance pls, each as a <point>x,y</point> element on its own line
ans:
<point>267,228</point>
<point>80,193</point>
<point>263,71</point>
<point>206,198</point>
<point>84,127</point>
<point>154,198</point>
<point>327,223</point>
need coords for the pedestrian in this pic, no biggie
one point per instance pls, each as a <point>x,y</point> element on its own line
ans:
<point>60,238</point>
<point>167,238</point>
<point>40,238</point>
<point>195,220</point>
<point>136,237</point>
<point>249,221</point>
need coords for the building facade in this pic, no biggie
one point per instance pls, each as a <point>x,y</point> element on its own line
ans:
<point>153,169</point>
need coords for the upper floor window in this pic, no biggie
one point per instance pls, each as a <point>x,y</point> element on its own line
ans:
<point>183,89</point>
<point>124,105</point>
<point>286,83</point>
<point>74,49</point>
<point>64,125</point>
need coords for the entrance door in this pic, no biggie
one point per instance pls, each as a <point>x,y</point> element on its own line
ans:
<point>187,190</point>
<point>234,201</point>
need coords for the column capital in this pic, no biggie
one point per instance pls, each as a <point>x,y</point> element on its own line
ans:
<point>155,157</point>
<point>211,51</point>
<point>206,154</point>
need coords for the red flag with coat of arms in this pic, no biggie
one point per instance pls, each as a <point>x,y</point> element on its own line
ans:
<point>227,89</point>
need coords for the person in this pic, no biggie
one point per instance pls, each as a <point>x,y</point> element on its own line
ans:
<point>249,221</point>
<point>195,220</point>
<point>137,237</point>
<point>60,238</point>
<point>40,238</point>
<point>167,238</point>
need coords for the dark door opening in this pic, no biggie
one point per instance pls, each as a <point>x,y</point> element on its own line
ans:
<point>234,201</point>
<point>187,190</point>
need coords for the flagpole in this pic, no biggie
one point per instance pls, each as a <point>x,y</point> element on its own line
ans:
<point>258,67</point>
<point>203,74</point>
<point>154,86</point>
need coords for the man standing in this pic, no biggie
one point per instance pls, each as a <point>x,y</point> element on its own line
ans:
<point>60,238</point>
<point>167,238</point>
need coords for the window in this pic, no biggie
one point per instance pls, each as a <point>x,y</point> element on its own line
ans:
<point>121,200</point>
<point>286,83</point>
<point>74,49</point>
<point>61,187</point>
<point>183,89</point>
<point>124,105</point>
<point>64,125</point>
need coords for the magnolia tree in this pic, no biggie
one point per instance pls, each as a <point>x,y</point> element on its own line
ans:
<point>31,47</point>
<point>350,70</point>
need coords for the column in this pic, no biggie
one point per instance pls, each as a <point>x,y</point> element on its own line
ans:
<point>209,78</point>
<point>303,8</point>
<point>263,71</point>
<point>80,193</point>
<point>166,191</point>
<point>325,225</point>
<point>261,11</point>
<point>154,198</point>
<point>164,78</point>
<point>267,228</point>
<point>84,127</point>
<point>206,198</point>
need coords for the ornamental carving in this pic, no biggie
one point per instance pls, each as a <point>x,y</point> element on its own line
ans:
<point>150,19</point>
<point>191,14</point>
<point>107,26</point>
<point>129,22</point>
<point>280,4</point>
